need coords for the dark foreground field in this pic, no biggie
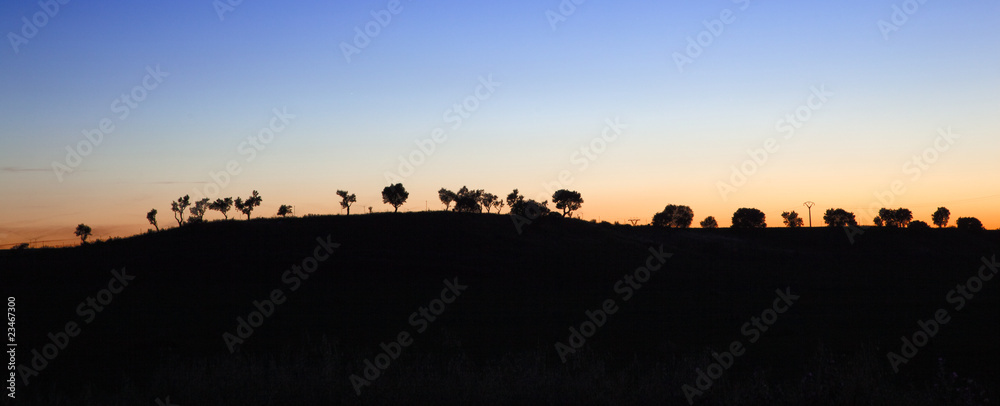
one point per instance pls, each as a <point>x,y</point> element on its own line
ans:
<point>489,334</point>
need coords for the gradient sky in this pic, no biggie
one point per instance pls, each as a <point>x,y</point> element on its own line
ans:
<point>685,130</point>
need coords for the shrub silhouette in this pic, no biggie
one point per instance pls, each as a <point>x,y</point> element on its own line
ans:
<point>567,201</point>
<point>941,216</point>
<point>674,216</point>
<point>83,231</point>
<point>467,201</point>
<point>395,195</point>
<point>346,200</point>
<point>918,225</point>
<point>791,219</point>
<point>749,218</point>
<point>969,223</point>
<point>151,217</point>
<point>839,218</point>
<point>709,222</point>
<point>284,210</point>
<point>222,206</point>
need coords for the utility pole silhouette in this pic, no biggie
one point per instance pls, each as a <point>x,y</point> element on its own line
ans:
<point>810,206</point>
<point>634,221</point>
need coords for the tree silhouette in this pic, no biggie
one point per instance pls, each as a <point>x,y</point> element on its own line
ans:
<point>567,201</point>
<point>222,206</point>
<point>467,201</point>
<point>941,217</point>
<point>151,217</point>
<point>198,211</point>
<point>447,197</point>
<point>395,195</point>
<point>490,200</point>
<point>178,208</point>
<point>83,231</point>
<point>709,222</point>
<point>246,207</point>
<point>897,218</point>
<point>878,221</point>
<point>918,225</point>
<point>284,210</point>
<point>969,223</point>
<point>749,218</point>
<point>513,198</point>
<point>674,216</point>
<point>839,218</point>
<point>346,200</point>
<point>792,219</point>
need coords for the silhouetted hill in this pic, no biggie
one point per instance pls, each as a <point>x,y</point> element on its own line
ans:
<point>524,293</point>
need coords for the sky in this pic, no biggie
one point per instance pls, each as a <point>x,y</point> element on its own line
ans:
<point>115,108</point>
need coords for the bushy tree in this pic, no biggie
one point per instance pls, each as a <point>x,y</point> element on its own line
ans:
<point>395,195</point>
<point>918,225</point>
<point>284,210</point>
<point>749,218</point>
<point>222,206</point>
<point>467,201</point>
<point>446,197</point>
<point>83,231</point>
<point>709,222</point>
<point>151,217</point>
<point>791,219</point>
<point>567,201</point>
<point>839,218</point>
<point>941,217</point>
<point>198,211</point>
<point>897,218</point>
<point>346,200</point>
<point>246,207</point>
<point>878,221</point>
<point>178,208</point>
<point>489,201</point>
<point>514,197</point>
<point>674,216</point>
<point>969,223</point>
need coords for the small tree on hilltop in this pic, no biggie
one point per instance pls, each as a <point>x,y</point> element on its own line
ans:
<point>674,216</point>
<point>941,216</point>
<point>709,222</point>
<point>346,200</point>
<point>222,206</point>
<point>198,211</point>
<point>467,201</point>
<point>447,197</point>
<point>749,218</point>
<point>897,218</point>
<point>567,201</point>
<point>969,223</point>
<point>178,208</point>
<point>284,210</point>
<point>246,207</point>
<point>83,231</point>
<point>839,218</point>
<point>489,200</point>
<point>792,219</point>
<point>918,225</point>
<point>513,198</point>
<point>395,195</point>
<point>151,217</point>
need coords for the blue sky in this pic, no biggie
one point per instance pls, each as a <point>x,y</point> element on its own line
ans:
<point>557,87</point>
